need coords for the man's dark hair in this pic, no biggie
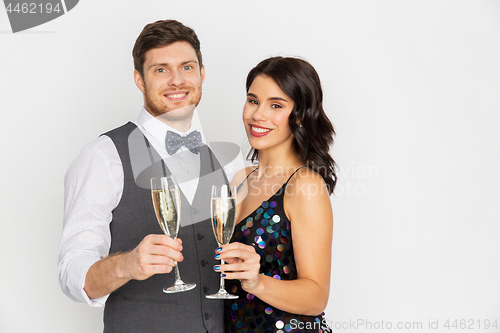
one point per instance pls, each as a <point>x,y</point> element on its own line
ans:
<point>163,33</point>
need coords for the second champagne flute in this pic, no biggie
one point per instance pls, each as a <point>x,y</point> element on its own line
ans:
<point>223,208</point>
<point>167,204</point>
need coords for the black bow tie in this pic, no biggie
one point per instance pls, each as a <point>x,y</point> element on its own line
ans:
<point>174,141</point>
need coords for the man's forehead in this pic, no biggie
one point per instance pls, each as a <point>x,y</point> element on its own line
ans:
<point>178,52</point>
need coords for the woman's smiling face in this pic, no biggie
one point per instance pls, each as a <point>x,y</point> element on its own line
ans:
<point>266,114</point>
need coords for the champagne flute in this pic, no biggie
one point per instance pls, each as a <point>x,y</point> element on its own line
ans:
<point>167,205</point>
<point>223,219</point>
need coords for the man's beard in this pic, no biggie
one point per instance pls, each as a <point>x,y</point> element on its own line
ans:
<point>171,113</point>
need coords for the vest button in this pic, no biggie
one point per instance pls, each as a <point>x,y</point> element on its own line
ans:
<point>207,316</point>
<point>200,237</point>
<point>195,211</point>
<point>204,263</point>
<point>205,290</point>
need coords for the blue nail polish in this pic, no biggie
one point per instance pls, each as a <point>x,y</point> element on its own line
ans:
<point>219,249</point>
<point>216,268</point>
<point>217,256</point>
<point>223,275</point>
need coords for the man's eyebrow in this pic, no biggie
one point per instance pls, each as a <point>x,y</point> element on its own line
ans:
<point>166,64</point>
<point>189,62</point>
<point>251,95</point>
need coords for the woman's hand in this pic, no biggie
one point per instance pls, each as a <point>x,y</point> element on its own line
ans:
<point>242,263</point>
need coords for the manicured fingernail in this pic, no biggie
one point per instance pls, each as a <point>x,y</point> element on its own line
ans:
<point>217,256</point>
<point>216,268</point>
<point>219,249</point>
<point>223,275</point>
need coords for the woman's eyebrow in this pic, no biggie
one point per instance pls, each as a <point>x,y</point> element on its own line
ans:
<point>270,98</point>
<point>278,99</point>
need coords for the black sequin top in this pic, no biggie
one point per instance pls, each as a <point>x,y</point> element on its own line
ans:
<point>269,229</point>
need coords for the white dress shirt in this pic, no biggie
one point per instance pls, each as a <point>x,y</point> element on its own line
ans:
<point>93,188</point>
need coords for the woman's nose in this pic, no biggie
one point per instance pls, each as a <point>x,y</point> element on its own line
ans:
<point>259,114</point>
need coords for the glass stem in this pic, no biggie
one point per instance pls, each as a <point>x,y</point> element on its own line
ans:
<point>222,285</point>
<point>177,275</point>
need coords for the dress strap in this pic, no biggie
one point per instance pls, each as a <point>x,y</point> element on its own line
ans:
<point>294,174</point>
<point>241,184</point>
<point>244,180</point>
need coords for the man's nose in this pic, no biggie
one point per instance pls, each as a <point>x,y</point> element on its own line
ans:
<point>176,79</point>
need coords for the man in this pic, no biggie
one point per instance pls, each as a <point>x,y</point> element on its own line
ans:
<point>112,249</point>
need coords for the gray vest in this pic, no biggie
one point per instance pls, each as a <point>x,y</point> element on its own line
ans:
<point>141,306</point>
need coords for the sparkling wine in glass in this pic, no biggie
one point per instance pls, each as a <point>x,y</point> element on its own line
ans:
<point>223,219</point>
<point>167,205</point>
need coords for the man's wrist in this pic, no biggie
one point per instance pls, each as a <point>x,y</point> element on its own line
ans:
<point>118,262</point>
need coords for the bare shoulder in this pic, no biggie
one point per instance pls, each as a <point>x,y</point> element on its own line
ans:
<point>305,185</point>
<point>307,201</point>
<point>241,175</point>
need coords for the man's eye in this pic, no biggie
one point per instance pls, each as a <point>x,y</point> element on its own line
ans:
<point>188,67</point>
<point>161,70</point>
<point>252,101</point>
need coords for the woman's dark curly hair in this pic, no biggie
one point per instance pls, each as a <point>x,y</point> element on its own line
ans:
<point>299,81</point>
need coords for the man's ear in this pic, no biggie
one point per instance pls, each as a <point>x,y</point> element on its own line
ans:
<point>202,73</point>
<point>139,81</point>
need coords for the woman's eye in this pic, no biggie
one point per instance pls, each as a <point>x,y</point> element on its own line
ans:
<point>276,106</point>
<point>252,101</point>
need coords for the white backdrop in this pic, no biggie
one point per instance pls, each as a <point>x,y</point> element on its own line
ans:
<point>412,87</point>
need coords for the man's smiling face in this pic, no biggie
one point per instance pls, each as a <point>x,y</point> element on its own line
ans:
<point>172,81</point>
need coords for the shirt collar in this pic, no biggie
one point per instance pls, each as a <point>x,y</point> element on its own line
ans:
<point>158,129</point>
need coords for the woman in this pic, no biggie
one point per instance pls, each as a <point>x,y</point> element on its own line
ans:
<point>282,287</point>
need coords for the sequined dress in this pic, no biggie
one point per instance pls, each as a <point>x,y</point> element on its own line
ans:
<point>269,229</point>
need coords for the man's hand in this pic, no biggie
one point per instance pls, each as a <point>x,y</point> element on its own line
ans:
<point>156,254</point>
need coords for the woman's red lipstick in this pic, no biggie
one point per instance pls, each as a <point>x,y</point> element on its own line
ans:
<point>259,131</point>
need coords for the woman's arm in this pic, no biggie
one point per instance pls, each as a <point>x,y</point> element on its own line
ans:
<point>307,204</point>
